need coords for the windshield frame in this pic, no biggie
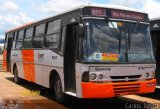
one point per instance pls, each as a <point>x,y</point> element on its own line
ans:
<point>117,20</point>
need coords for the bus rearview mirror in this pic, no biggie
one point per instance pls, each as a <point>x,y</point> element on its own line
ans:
<point>81,30</point>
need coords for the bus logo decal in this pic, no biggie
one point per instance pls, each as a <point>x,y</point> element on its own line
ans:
<point>40,57</point>
<point>126,78</point>
<point>102,69</point>
<point>97,56</point>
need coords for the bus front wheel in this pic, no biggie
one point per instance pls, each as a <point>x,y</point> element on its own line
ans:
<point>58,93</point>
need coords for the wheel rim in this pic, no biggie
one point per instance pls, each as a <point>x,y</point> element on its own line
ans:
<point>58,87</point>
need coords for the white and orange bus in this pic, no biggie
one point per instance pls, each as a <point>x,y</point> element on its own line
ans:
<point>93,51</point>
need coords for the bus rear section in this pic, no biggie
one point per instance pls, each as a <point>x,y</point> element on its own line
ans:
<point>90,52</point>
<point>7,53</point>
<point>155,35</point>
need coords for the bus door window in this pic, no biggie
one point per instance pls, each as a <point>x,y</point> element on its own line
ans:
<point>62,43</point>
<point>69,58</point>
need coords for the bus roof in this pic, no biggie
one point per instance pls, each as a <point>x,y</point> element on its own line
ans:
<point>99,6</point>
<point>154,19</point>
<point>155,24</point>
<point>27,24</point>
<point>112,7</point>
<point>80,7</point>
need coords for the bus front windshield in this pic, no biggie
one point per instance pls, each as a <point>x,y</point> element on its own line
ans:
<point>117,41</point>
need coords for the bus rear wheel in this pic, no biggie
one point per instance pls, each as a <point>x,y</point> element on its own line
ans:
<point>58,93</point>
<point>17,80</point>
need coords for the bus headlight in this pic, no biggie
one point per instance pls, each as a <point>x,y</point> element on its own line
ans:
<point>93,76</point>
<point>147,74</point>
<point>100,76</point>
<point>85,77</point>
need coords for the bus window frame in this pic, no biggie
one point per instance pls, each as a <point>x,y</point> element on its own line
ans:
<point>60,40</point>
<point>31,46</point>
<point>54,21</point>
<point>18,40</point>
<point>42,35</point>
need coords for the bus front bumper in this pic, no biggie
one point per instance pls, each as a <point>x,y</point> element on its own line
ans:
<point>108,90</point>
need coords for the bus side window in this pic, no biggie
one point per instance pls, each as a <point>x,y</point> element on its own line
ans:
<point>39,36</point>
<point>5,42</point>
<point>15,37</point>
<point>27,43</point>
<point>62,42</point>
<point>52,37</point>
<point>20,39</point>
<point>14,40</point>
<point>8,38</point>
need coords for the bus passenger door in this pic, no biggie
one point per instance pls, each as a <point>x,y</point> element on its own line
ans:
<point>155,36</point>
<point>69,58</point>
<point>8,56</point>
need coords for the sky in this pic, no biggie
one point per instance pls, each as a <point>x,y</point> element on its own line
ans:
<point>14,13</point>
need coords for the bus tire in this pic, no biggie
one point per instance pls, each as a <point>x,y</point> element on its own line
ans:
<point>17,80</point>
<point>58,93</point>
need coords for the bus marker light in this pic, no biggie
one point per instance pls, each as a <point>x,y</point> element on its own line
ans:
<point>153,74</point>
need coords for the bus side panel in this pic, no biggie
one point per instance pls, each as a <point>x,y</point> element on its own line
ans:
<point>46,75</point>
<point>5,60</point>
<point>134,80</point>
<point>45,62</point>
<point>16,59</point>
<point>39,65</point>
<point>79,71</point>
<point>28,65</point>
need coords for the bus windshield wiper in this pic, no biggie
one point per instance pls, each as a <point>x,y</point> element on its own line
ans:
<point>115,31</point>
<point>135,28</point>
<point>129,39</point>
<point>114,28</point>
<point>132,34</point>
<point>119,48</point>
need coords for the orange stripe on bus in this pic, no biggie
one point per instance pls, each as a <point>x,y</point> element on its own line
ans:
<point>107,90</point>
<point>93,90</point>
<point>28,65</point>
<point>5,60</point>
<point>147,87</point>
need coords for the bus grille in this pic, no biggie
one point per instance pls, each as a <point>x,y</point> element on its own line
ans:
<point>131,78</point>
<point>125,89</point>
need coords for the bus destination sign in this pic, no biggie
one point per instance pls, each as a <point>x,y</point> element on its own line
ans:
<point>127,15</point>
<point>98,11</point>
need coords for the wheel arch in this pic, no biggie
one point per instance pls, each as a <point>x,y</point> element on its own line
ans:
<point>52,76</point>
